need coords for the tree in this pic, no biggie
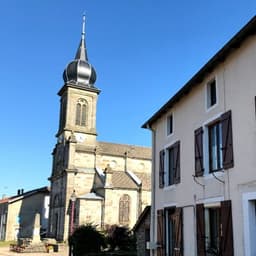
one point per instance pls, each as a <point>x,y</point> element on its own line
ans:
<point>86,239</point>
<point>120,237</point>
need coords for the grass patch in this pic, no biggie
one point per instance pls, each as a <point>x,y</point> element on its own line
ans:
<point>6,243</point>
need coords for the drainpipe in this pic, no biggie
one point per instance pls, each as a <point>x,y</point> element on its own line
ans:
<point>102,214</point>
<point>139,201</point>
<point>153,197</point>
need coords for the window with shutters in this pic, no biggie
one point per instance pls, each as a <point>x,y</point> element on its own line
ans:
<point>160,233</point>
<point>215,147</point>
<point>173,232</point>
<point>81,112</point>
<point>124,210</point>
<point>161,168</point>
<point>170,232</point>
<point>214,229</point>
<point>211,93</point>
<point>173,164</point>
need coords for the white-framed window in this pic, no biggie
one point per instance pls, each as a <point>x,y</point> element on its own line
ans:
<point>249,209</point>
<point>212,230</point>
<point>169,124</point>
<point>173,164</point>
<point>173,222</point>
<point>214,227</point>
<point>214,145</point>
<point>170,231</point>
<point>211,93</point>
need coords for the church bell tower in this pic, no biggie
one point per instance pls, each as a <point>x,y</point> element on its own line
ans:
<point>77,128</point>
<point>79,98</point>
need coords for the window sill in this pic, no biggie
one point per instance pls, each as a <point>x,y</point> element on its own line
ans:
<point>169,134</point>
<point>170,187</point>
<point>209,175</point>
<point>209,108</point>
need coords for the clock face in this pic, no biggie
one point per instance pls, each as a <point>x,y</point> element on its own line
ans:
<point>80,137</point>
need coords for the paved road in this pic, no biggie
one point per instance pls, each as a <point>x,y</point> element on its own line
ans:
<point>4,251</point>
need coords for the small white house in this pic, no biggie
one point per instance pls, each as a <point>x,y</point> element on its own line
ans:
<point>18,214</point>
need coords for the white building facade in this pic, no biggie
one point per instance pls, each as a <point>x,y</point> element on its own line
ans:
<point>204,176</point>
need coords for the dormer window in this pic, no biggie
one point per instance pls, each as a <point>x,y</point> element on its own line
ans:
<point>170,124</point>
<point>211,93</point>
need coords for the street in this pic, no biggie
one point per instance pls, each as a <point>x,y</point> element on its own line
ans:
<point>4,251</point>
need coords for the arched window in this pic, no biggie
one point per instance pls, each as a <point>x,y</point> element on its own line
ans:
<point>81,108</point>
<point>124,209</point>
<point>56,201</point>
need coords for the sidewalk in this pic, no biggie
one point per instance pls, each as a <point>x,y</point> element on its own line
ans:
<point>4,251</point>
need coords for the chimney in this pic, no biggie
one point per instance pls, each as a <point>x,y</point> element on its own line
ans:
<point>18,192</point>
<point>108,177</point>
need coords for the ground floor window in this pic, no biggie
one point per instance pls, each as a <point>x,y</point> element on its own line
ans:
<point>214,229</point>
<point>169,232</point>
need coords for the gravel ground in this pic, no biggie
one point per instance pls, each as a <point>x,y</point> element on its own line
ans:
<point>4,251</point>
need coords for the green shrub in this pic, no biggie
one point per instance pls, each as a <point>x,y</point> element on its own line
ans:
<point>121,238</point>
<point>86,239</point>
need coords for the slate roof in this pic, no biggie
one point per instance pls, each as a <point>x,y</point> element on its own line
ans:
<point>121,179</point>
<point>121,149</point>
<point>25,195</point>
<point>146,180</point>
<point>91,196</point>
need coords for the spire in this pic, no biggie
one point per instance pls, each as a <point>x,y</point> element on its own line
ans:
<point>83,28</point>
<point>81,53</point>
<point>79,70</point>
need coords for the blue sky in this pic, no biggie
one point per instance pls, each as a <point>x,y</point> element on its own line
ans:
<point>143,52</point>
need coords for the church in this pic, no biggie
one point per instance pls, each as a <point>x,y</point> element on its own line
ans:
<point>94,182</point>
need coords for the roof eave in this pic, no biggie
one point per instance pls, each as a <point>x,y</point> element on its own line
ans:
<point>234,43</point>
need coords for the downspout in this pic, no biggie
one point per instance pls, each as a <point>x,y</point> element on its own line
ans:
<point>102,214</point>
<point>153,197</point>
<point>139,201</point>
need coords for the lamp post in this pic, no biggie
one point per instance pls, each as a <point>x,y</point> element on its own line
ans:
<point>72,216</point>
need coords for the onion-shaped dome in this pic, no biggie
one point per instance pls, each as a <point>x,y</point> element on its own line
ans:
<point>80,71</point>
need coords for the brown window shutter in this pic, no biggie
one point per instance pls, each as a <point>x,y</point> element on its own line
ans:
<point>161,168</point>
<point>160,233</point>
<point>178,242</point>
<point>176,152</point>
<point>200,230</point>
<point>199,160</point>
<point>226,243</point>
<point>227,141</point>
